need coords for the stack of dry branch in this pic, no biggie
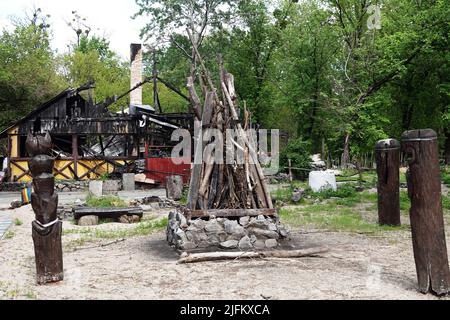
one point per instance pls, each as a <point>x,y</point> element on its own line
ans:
<point>224,185</point>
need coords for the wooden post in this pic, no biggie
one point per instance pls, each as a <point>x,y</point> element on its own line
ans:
<point>156,104</point>
<point>290,170</point>
<point>427,222</point>
<point>46,228</point>
<point>387,155</point>
<point>75,155</point>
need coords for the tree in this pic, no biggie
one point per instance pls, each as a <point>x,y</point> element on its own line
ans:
<point>191,19</point>
<point>26,51</point>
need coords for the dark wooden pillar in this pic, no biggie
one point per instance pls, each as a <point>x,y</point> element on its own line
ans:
<point>9,153</point>
<point>75,155</point>
<point>387,155</point>
<point>427,222</point>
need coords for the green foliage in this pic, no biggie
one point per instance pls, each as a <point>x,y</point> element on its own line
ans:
<point>104,177</point>
<point>446,202</point>
<point>105,202</point>
<point>18,222</point>
<point>343,191</point>
<point>445,178</point>
<point>28,72</point>
<point>298,151</point>
<point>111,76</point>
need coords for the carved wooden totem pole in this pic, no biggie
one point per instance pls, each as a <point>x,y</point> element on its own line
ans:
<point>427,221</point>
<point>47,228</point>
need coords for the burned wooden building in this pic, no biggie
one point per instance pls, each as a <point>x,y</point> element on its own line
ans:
<point>89,140</point>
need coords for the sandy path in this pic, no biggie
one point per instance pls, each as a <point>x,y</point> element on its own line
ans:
<point>144,267</point>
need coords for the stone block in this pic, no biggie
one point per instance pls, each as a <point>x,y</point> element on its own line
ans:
<point>128,182</point>
<point>271,243</point>
<point>88,221</point>
<point>245,244</point>
<point>322,180</point>
<point>96,187</point>
<point>111,186</point>
<point>230,244</point>
<point>174,187</point>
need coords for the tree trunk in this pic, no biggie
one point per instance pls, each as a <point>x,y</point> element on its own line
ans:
<point>346,154</point>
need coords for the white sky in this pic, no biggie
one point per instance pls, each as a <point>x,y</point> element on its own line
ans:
<point>110,18</point>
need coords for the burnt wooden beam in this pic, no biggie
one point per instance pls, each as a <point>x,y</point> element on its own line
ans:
<point>227,213</point>
<point>79,212</point>
<point>100,140</point>
<point>387,154</point>
<point>75,156</point>
<point>426,215</point>
<point>173,88</point>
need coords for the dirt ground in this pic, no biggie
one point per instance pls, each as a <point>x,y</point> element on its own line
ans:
<point>144,267</point>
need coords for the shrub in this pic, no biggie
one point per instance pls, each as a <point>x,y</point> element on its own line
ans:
<point>298,151</point>
<point>343,191</point>
<point>105,202</point>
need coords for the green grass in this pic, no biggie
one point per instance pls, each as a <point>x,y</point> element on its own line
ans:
<point>446,202</point>
<point>343,191</point>
<point>105,202</point>
<point>18,222</point>
<point>446,178</point>
<point>89,234</point>
<point>141,229</point>
<point>332,218</point>
<point>405,202</point>
<point>283,194</point>
<point>9,235</point>
<point>184,196</point>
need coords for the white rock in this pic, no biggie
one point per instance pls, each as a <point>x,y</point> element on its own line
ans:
<point>243,221</point>
<point>322,180</point>
<point>88,221</point>
<point>259,244</point>
<point>245,244</point>
<point>271,243</point>
<point>230,244</point>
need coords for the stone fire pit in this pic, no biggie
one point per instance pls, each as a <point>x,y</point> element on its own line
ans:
<point>243,233</point>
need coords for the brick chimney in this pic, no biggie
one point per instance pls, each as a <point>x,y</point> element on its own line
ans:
<point>136,73</point>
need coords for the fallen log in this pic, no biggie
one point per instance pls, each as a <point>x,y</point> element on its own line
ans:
<point>214,256</point>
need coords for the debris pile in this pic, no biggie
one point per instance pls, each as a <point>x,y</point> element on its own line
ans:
<point>228,204</point>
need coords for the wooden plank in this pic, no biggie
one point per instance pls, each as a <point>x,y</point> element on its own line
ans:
<point>223,213</point>
<point>79,212</point>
